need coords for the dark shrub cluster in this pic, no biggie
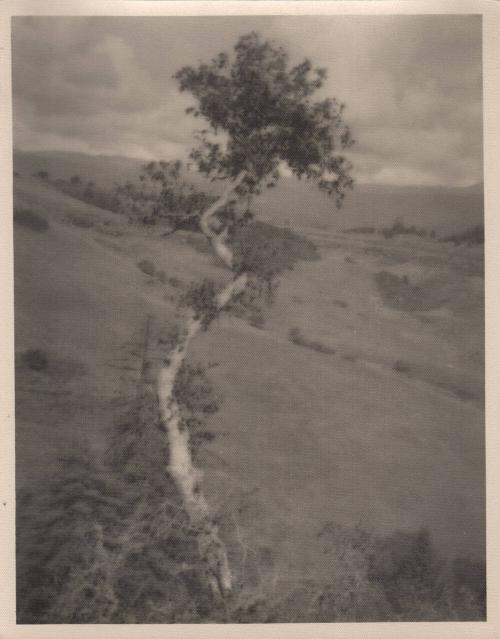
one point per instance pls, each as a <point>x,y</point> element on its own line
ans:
<point>295,335</point>
<point>99,547</point>
<point>88,192</point>
<point>201,298</point>
<point>110,542</point>
<point>471,236</point>
<point>399,293</point>
<point>35,358</point>
<point>30,219</point>
<point>266,251</point>
<point>146,267</point>
<point>399,228</point>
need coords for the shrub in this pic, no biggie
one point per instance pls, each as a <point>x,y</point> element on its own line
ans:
<point>88,193</point>
<point>202,299</point>
<point>295,335</point>
<point>401,367</point>
<point>265,250</point>
<point>399,228</point>
<point>471,236</point>
<point>82,221</point>
<point>175,282</point>
<point>42,174</point>
<point>147,267</point>
<point>340,303</point>
<point>397,292</point>
<point>30,219</point>
<point>36,359</point>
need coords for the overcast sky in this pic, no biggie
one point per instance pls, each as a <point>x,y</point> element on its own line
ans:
<point>412,86</point>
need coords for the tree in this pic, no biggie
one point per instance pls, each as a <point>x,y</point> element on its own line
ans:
<point>260,115</point>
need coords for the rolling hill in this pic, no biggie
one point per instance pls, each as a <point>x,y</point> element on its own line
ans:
<point>359,402</point>
<point>445,210</point>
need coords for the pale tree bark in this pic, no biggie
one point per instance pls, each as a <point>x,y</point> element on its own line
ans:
<point>185,475</point>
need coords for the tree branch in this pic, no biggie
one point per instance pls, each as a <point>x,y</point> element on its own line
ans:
<point>218,240</point>
<point>218,204</point>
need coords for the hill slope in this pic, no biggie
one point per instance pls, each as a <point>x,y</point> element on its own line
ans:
<point>445,210</point>
<point>370,411</point>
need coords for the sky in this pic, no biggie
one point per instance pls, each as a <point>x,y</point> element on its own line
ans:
<point>412,86</point>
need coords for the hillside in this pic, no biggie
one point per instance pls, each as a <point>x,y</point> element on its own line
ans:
<point>445,210</point>
<point>360,400</point>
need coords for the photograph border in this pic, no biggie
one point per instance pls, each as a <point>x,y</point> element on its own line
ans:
<point>490,11</point>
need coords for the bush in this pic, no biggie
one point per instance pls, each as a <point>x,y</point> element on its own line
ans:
<point>401,367</point>
<point>295,335</point>
<point>201,297</point>
<point>88,193</point>
<point>265,250</point>
<point>30,219</point>
<point>399,228</point>
<point>147,267</point>
<point>397,292</point>
<point>82,221</point>
<point>42,174</point>
<point>471,236</point>
<point>36,359</point>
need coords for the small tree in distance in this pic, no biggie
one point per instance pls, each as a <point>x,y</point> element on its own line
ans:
<point>260,115</point>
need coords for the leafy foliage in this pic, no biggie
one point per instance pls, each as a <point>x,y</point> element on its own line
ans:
<point>201,298</point>
<point>111,542</point>
<point>266,251</point>
<point>265,110</point>
<point>164,196</point>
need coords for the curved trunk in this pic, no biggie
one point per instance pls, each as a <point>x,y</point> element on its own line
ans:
<point>186,476</point>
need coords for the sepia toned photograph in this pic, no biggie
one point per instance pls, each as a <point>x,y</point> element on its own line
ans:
<point>249,319</point>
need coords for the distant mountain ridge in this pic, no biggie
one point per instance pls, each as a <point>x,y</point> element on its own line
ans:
<point>293,202</point>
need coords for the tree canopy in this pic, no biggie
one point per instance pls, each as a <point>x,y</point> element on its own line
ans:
<point>264,110</point>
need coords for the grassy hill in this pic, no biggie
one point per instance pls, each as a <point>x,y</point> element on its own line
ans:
<point>445,210</point>
<point>358,403</point>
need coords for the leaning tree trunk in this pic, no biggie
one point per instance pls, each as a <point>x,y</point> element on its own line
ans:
<point>186,477</point>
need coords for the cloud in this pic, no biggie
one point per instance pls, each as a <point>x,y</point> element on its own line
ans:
<point>412,85</point>
<point>89,94</point>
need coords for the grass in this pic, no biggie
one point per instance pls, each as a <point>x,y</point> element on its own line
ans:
<point>30,219</point>
<point>362,230</point>
<point>159,578</point>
